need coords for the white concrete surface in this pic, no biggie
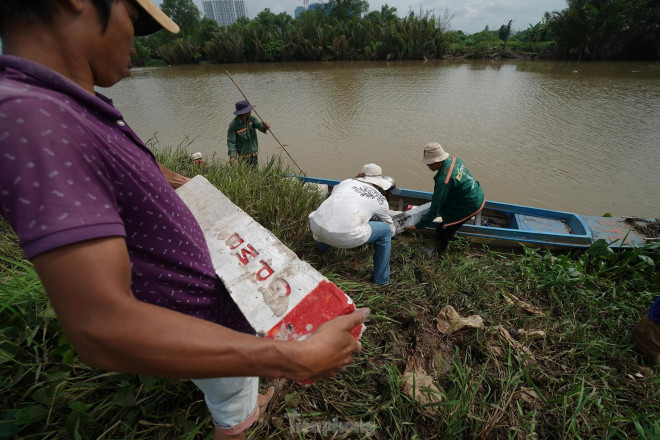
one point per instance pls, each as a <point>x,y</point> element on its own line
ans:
<point>282,296</point>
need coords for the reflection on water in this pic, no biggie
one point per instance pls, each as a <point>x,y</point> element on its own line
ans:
<point>570,136</point>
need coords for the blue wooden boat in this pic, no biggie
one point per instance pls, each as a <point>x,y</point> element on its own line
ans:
<point>508,225</point>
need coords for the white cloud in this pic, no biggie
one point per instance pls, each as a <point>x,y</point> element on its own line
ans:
<point>470,12</point>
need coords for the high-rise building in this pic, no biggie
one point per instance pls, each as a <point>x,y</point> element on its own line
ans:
<point>225,12</point>
<point>312,7</point>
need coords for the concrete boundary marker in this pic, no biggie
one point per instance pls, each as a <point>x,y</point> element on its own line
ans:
<point>410,217</point>
<point>281,296</point>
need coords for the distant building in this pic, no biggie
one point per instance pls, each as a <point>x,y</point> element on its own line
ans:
<point>312,7</point>
<point>224,12</point>
<point>321,6</point>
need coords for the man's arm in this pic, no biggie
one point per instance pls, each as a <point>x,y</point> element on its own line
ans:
<point>439,196</point>
<point>174,179</point>
<point>231,143</point>
<point>262,126</point>
<point>88,284</point>
<point>383,214</point>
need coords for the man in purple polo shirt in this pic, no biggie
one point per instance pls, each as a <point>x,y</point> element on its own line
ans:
<point>121,257</point>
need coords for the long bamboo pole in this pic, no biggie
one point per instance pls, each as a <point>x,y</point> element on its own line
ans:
<point>262,120</point>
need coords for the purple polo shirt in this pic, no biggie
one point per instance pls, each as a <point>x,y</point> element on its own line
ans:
<point>72,170</point>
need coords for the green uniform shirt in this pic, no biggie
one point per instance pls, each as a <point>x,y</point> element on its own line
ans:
<point>242,138</point>
<point>456,195</point>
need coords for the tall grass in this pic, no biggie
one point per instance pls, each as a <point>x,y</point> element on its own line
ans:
<point>584,381</point>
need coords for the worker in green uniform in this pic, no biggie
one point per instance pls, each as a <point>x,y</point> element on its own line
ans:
<point>242,142</point>
<point>457,196</point>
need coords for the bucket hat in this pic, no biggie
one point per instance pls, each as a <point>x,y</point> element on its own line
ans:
<point>374,174</point>
<point>151,19</point>
<point>433,152</point>
<point>196,156</point>
<point>242,107</point>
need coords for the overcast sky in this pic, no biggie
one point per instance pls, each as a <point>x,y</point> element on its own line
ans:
<point>469,16</point>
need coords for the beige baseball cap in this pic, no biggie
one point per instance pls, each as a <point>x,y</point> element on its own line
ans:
<point>152,19</point>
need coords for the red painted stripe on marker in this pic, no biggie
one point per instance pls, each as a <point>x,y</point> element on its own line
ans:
<point>325,302</point>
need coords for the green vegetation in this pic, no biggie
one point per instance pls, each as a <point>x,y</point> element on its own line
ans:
<point>579,379</point>
<point>344,30</point>
<point>607,29</point>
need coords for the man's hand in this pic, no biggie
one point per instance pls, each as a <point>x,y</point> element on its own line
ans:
<point>266,125</point>
<point>232,160</point>
<point>174,179</point>
<point>411,228</point>
<point>330,348</point>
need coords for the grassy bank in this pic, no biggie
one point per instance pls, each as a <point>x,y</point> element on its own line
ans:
<point>578,378</point>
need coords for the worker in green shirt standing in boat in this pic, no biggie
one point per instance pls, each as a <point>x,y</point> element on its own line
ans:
<point>242,142</point>
<point>457,196</point>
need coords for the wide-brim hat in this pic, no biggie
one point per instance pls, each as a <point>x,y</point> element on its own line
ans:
<point>196,155</point>
<point>374,174</point>
<point>433,152</point>
<point>151,19</point>
<point>242,107</point>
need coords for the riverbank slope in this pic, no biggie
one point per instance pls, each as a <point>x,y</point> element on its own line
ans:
<point>551,360</point>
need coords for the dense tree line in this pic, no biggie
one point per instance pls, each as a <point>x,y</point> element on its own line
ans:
<point>607,29</point>
<point>344,30</point>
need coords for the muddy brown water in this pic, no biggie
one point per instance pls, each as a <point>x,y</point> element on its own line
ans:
<point>578,137</point>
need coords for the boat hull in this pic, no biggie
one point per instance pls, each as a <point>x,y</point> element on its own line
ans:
<point>509,225</point>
